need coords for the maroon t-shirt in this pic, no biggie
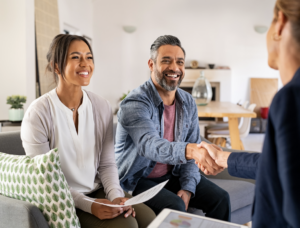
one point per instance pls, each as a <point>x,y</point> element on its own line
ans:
<point>160,169</point>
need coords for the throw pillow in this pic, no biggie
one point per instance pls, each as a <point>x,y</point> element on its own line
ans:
<point>40,181</point>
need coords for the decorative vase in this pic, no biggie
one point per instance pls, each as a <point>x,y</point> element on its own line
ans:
<point>202,92</point>
<point>16,114</point>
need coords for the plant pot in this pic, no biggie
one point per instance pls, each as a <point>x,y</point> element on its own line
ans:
<point>16,114</point>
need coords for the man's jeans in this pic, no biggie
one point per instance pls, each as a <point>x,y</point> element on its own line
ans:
<point>213,200</point>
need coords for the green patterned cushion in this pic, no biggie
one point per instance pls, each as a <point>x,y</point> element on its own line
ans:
<point>40,181</point>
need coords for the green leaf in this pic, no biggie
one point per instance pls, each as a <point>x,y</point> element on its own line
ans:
<point>68,214</point>
<point>47,208</point>
<point>62,185</point>
<point>61,216</point>
<point>43,169</point>
<point>34,190</point>
<point>53,217</point>
<point>62,206</point>
<point>1,177</point>
<point>56,166</point>
<point>48,178</point>
<point>26,169</point>
<point>45,158</point>
<point>18,189</point>
<point>31,169</point>
<point>41,180</point>
<point>4,177</point>
<point>52,157</point>
<point>49,167</point>
<point>55,187</point>
<point>59,225</point>
<point>67,224</point>
<point>34,180</point>
<point>28,180</point>
<point>47,216</point>
<point>12,189</point>
<point>69,205</point>
<point>74,222</point>
<point>52,225</point>
<point>7,167</point>
<point>23,179</point>
<point>29,190</point>
<point>9,178</point>
<point>48,189</point>
<point>18,179</point>
<point>16,168</point>
<point>37,171</point>
<point>23,189</point>
<point>48,199</point>
<point>41,199</point>
<point>41,190</point>
<point>41,207</point>
<point>3,167</point>
<point>21,169</point>
<point>54,207</point>
<point>55,176</point>
<point>34,198</point>
<point>55,197</point>
<point>63,196</point>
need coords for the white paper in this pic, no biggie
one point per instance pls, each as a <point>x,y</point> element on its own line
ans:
<point>141,198</point>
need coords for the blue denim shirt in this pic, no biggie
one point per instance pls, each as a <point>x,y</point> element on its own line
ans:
<point>139,137</point>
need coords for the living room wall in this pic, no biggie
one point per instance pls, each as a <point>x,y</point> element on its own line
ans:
<point>17,52</point>
<point>215,31</point>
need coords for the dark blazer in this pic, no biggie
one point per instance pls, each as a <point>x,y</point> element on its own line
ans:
<point>277,168</point>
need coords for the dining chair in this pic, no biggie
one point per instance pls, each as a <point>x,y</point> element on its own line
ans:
<point>220,136</point>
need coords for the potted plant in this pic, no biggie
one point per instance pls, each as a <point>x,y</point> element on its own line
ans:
<point>16,111</point>
<point>120,100</point>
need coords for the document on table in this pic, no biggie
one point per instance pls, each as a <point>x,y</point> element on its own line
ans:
<point>141,198</point>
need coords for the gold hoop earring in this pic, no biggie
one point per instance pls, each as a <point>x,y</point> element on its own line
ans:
<point>276,37</point>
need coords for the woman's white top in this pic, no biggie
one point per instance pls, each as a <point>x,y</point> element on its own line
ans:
<point>87,157</point>
<point>76,150</point>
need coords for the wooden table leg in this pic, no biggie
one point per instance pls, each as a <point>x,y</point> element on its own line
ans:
<point>234,133</point>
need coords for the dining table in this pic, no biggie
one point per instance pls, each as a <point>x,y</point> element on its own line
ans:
<point>233,112</point>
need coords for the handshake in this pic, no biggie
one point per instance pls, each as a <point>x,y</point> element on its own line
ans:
<point>210,158</point>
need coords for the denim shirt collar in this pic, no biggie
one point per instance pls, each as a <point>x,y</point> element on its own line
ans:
<point>157,99</point>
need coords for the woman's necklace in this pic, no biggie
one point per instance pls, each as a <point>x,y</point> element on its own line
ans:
<point>72,109</point>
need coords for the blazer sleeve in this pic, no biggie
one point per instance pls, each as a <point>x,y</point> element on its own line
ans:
<point>243,165</point>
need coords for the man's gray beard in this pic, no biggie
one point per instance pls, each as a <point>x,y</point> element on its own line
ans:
<point>163,83</point>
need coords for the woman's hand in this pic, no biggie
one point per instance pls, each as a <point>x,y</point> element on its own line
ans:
<point>130,210</point>
<point>104,212</point>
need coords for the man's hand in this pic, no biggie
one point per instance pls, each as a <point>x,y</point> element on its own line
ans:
<point>129,209</point>
<point>203,158</point>
<point>105,212</point>
<point>185,196</point>
<point>216,153</point>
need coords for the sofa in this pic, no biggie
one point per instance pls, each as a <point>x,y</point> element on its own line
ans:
<point>15,213</point>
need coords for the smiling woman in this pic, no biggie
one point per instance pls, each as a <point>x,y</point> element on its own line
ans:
<point>79,124</point>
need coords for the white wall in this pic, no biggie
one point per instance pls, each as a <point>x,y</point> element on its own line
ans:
<point>17,59</point>
<point>77,14</point>
<point>214,31</point>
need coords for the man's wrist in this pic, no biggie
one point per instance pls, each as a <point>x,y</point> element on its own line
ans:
<point>189,151</point>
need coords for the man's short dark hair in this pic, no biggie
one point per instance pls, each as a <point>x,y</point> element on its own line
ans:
<point>164,40</point>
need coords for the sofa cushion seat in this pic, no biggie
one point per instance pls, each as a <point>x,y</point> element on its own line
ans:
<point>241,192</point>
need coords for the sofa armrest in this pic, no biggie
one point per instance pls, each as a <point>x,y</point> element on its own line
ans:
<point>17,213</point>
<point>225,175</point>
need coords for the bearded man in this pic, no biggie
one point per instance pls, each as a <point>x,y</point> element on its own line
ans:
<point>157,137</point>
